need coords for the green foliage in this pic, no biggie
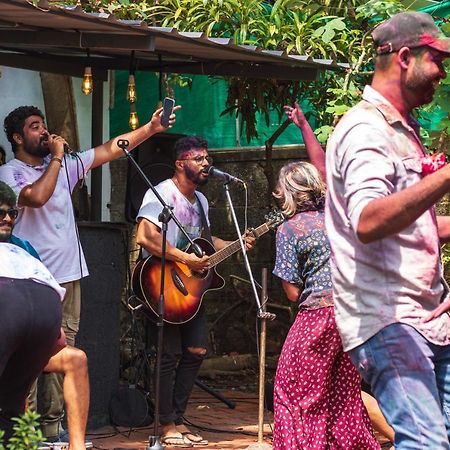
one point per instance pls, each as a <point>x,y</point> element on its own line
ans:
<point>329,29</point>
<point>380,9</point>
<point>27,434</point>
<point>445,251</point>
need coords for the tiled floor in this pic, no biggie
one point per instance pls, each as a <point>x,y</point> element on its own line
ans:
<point>224,428</point>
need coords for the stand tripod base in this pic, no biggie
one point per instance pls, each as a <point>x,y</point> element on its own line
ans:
<point>154,443</point>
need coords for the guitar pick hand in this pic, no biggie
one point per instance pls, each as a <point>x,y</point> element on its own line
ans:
<point>195,263</point>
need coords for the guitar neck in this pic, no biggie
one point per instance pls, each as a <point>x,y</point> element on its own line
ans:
<point>234,247</point>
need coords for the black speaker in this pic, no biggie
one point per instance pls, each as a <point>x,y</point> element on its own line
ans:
<point>155,158</point>
<point>106,250</point>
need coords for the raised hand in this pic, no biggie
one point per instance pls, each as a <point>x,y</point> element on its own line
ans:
<point>155,121</point>
<point>296,115</point>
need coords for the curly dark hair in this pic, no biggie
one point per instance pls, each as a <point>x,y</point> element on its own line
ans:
<point>15,121</point>
<point>7,195</point>
<point>187,143</point>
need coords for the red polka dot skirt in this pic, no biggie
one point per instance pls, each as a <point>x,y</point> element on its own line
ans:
<point>317,394</point>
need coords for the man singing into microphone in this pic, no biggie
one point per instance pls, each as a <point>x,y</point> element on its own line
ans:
<point>43,178</point>
<point>184,346</point>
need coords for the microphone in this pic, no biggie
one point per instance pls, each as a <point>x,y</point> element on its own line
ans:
<point>211,170</point>
<point>67,149</point>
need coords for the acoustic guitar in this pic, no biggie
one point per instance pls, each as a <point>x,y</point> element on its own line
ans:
<point>183,288</point>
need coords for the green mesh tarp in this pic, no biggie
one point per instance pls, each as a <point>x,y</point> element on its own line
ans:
<point>204,102</point>
<point>200,115</point>
<point>438,9</point>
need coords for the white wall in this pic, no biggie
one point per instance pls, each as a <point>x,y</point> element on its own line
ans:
<point>23,87</point>
<point>17,88</point>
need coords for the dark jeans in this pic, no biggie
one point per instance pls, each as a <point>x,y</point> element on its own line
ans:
<point>30,322</point>
<point>179,367</point>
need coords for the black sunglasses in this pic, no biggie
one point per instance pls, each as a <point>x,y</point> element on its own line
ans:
<point>12,213</point>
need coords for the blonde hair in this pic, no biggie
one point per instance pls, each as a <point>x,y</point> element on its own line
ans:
<point>299,188</point>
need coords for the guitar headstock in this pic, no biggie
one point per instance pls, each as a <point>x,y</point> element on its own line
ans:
<point>274,218</point>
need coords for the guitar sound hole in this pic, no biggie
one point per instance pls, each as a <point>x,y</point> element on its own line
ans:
<point>178,282</point>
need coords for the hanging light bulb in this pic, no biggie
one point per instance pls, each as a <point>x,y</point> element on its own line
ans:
<point>134,121</point>
<point>87,85</point>
<point>131,92</point>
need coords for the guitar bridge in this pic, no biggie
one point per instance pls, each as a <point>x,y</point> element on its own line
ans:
<point>178,282</point>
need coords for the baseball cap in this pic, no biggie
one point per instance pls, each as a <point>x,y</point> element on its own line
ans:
<point>409,29</point>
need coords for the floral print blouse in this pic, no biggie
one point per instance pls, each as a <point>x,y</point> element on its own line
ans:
<point>302,255</point>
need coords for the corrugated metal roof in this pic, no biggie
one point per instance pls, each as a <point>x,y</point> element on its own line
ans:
<point>56,39</point>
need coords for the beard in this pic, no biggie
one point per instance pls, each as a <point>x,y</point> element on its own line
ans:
<point>5,233</point>
<point>36,150</point>
<point>195,176</point>
<point>421,87</point>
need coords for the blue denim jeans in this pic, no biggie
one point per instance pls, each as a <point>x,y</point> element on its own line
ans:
<point>410,378</point>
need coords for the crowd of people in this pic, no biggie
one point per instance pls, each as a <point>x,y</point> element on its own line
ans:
<point>42,177</point>
<point>359,252</point>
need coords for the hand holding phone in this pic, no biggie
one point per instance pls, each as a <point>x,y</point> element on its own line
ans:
<point>167,111</point>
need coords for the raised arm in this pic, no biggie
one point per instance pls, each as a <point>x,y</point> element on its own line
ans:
<point>109,151</point>
<point>313,148</point>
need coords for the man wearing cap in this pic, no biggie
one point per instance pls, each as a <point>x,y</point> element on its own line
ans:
<point>385,236</point>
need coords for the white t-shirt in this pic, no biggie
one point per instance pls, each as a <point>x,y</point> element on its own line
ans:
<point>51,229</point>
<point>16,263</point>
<point>186,212</point>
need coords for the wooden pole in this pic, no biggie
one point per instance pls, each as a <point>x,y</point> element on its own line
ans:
<point>263,316</point>
<point>262,356</point>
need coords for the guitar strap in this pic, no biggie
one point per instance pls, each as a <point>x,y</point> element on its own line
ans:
<point>206,231</point>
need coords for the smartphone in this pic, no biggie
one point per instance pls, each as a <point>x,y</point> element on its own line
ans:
<point>167,111</point>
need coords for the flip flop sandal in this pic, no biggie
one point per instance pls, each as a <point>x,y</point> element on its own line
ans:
<point>194,438</point>
<point>176,441</point>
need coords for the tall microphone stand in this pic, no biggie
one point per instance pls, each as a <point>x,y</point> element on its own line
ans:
<point>241,241</point>
<point>262,316</point>
<point>154,441</point>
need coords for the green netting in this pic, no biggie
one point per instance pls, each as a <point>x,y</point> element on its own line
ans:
<point>204,102</point>
<point>438,10</point>
<point>441,9</point>
<point>200,115</point>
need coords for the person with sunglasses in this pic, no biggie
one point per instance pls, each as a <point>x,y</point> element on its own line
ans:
<point>9,215</point>
<point>184,345</point>
<point>27,339</point>
<point>70,361</point>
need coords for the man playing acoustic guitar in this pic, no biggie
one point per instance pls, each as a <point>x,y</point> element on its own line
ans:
<point>184,345</point>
